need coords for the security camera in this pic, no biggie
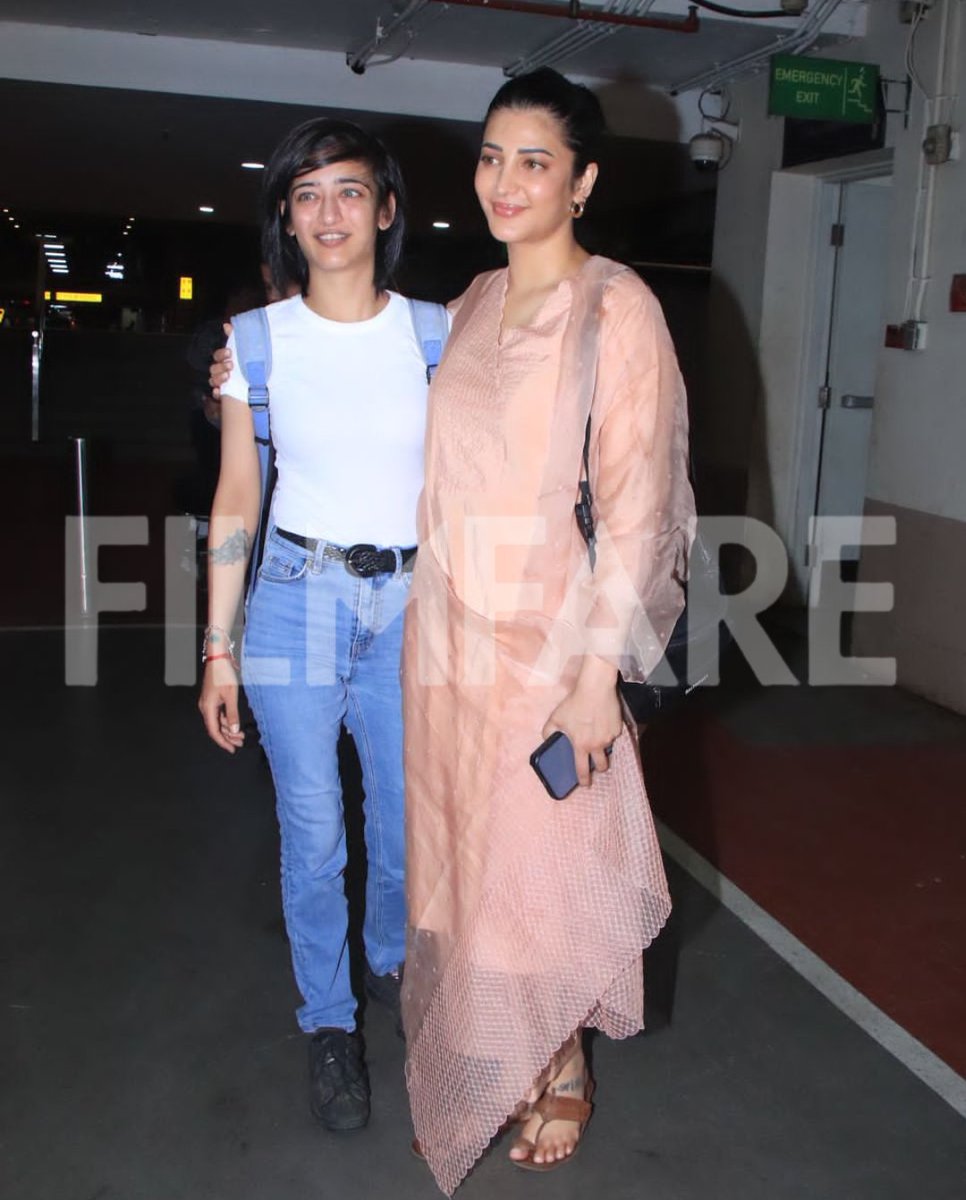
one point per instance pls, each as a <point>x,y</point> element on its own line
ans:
<point>708,150</point>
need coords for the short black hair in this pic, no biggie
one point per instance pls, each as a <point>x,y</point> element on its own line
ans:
<point>574,106</point>
<point>317,143</point>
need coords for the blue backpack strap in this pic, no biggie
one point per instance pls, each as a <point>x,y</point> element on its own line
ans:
<point>253,349</point>
<point>431,323</point>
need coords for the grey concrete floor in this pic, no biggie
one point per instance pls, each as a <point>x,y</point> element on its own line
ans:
<point>148,1046</point>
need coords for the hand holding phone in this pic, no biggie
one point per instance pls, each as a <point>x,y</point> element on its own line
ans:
<point>555,766</point>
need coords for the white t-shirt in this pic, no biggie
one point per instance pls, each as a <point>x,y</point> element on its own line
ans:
<point>348,416</point>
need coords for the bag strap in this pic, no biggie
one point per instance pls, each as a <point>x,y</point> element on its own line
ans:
<point>431,325</point>
<point>584,506</point>
<point>253,348</point>
<point>583,509</point>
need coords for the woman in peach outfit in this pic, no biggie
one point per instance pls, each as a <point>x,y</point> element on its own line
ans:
<point>528,916</point>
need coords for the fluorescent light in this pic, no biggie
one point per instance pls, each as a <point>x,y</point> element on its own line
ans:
<point>253,166</point>
<point>441,224</point>
<point>205,208</point>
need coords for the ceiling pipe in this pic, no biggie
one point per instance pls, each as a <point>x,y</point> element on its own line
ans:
<point>358,60</point>
<point>807,32</point>
<point>561,46</point>
<point>572,11</point>
<point>564,45</point>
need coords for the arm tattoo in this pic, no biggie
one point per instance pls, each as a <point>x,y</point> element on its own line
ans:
<point>233,549</point>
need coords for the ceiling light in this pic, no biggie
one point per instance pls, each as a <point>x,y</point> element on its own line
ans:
<point>53,245</point>
<point>441,224</point>
<point>253,166</point>
<point>205,208</point>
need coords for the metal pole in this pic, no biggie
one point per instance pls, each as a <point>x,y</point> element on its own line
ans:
<point>80,480</point>
<point>573,12</point>
<point>37,344</point>
<point>36,357</point>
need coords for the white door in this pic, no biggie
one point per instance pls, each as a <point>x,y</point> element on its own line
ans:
<point>856,330</point>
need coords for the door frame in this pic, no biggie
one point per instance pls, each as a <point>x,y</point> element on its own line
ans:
<point>793,344</point>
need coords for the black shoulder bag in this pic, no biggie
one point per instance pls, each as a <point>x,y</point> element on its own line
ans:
<point>697,643</point>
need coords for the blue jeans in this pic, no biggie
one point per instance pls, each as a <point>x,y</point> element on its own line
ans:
<point>321,650</point>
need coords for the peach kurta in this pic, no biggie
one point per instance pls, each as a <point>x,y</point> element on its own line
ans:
<point>528,915</point>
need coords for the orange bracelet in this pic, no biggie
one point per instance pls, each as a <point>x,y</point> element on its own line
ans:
<point>214,658</point>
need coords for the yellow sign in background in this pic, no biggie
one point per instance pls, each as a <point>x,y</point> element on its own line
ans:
<point>76,297</point>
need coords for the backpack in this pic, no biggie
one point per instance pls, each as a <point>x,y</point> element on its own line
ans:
<point>253,348</point>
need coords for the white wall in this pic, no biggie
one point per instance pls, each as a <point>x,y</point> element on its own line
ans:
<point>284,75</point>
<point>727,424</point>
<point>919,422</point>
<point>919,433</point>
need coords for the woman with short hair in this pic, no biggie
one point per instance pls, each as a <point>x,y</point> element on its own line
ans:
<point>323,626</point>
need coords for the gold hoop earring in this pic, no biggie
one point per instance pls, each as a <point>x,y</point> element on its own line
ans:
<point>577,209</point>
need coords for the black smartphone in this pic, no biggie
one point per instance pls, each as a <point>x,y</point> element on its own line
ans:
<point>553,761</point>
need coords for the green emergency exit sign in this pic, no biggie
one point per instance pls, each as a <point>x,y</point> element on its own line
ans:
<point>823,89</point>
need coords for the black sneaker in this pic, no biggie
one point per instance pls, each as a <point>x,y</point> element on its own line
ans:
<point>338,1081</point>
<point>385,990</point>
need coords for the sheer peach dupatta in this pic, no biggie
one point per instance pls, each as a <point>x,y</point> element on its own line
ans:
<point>527,916</point>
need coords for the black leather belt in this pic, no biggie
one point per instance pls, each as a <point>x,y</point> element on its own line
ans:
<point>362,559</point>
